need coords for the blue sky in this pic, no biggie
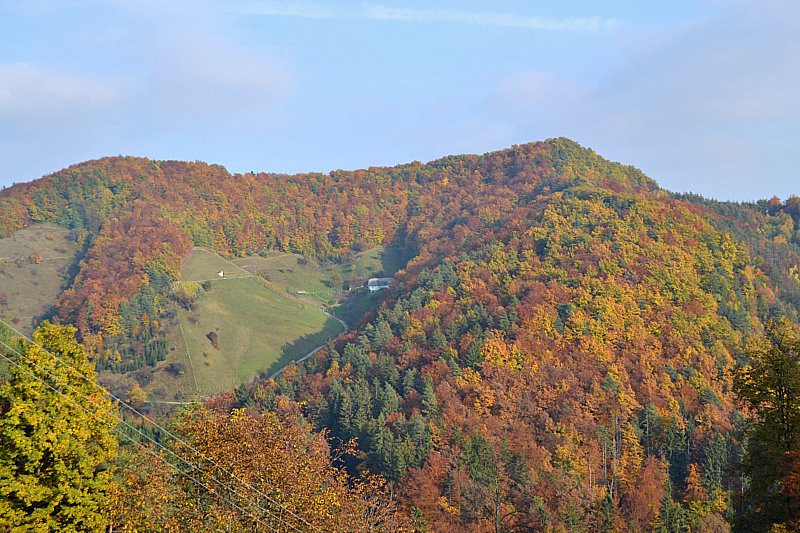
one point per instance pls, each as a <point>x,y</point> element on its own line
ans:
<point>701,95</point>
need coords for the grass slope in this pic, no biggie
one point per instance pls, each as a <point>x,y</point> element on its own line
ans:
<point>205,265</point>
<point>34,267</point>
<point>296,274</point>
<point>257,329</point>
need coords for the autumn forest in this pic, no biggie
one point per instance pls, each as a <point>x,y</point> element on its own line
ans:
<point>567,347</point>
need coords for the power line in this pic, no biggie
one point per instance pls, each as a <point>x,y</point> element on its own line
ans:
<point>166,431</point>
<point>159,445</point>
<point>181,472</point>
<point>120,419</point>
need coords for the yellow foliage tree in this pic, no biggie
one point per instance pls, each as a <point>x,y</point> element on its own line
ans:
<point>250,472</point>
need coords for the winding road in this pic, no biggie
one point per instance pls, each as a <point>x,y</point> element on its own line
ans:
<point>312,352</point>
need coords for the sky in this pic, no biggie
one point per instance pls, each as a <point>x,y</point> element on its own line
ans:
<point>700,95</point>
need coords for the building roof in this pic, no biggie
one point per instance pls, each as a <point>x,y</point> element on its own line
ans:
<point>357,283</point>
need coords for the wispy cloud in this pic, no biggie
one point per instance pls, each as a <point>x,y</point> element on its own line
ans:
<point>486,18</point>
<point>194,70</point>
<point>711,108</point>
<point>314,10</point>
<point>182,75</point>
<point>25,88</point>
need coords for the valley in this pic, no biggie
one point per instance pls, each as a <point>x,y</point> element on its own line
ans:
<point>263,313</point>
<point>563,345</point>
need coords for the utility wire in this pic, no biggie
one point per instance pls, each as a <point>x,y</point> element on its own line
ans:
<point>181,472</point>
<point>95,416</point>
<point>159,445</point>
<point>166,431</point>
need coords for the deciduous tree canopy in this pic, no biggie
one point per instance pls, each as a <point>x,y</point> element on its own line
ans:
<point>57,436</point>
<point>559,351</point>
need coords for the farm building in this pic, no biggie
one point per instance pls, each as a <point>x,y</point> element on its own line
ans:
<point>355,284</point>
<point>376,284</point>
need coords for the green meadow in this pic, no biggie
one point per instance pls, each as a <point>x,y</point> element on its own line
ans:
<point>35,265</point>
<point>312,281</point>
<point>239,327</point>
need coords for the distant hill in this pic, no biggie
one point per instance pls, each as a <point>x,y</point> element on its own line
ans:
<point>557,352</point>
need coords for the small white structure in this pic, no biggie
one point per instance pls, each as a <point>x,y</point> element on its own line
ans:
<point>377,284</point>
<point>221,274</point>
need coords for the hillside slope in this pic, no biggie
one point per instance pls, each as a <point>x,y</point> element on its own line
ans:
<point>561,358</point>
<point>558,352</point>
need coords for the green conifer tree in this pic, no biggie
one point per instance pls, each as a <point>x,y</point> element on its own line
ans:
<point>770,386</point>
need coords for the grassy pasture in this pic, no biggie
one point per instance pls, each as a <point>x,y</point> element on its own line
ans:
<point>296,274</point>
<point>291,273</point>
<point>204,265</point>
<point>35,264</point>
<point>256,330</point>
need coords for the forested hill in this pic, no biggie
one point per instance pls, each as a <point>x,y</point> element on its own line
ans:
<point>559,351</point>
<point>142,216</point>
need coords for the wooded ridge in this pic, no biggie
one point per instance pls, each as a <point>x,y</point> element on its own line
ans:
<point>568,348</point>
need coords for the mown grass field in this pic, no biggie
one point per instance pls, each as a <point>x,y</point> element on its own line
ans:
<point>308,278</point>
<point>291,273</point>
<point>205,265</point>
<point>257,330</point>
<point>34,267</point>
